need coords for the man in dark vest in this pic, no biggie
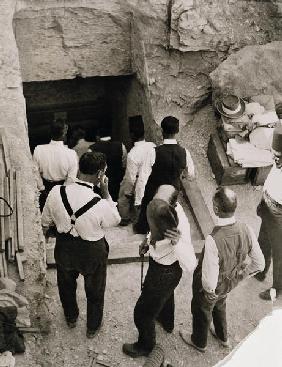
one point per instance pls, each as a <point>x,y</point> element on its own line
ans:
<point>270,211</point>
<point>116,155</point>
<point>231,253</point>
<point>80,217</point>
<point>167,163</point>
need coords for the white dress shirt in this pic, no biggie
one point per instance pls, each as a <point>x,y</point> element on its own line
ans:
<point>150,160</point>
<point>55,161</point>
<point>166,254</point>
<point>273,184</point>
<point>136,176</point>
<point>89,226</point>
<point>210,266</point>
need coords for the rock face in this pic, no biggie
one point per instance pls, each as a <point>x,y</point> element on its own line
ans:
<point>72,38</point>
<point>13,119</point>
<point>220,25</point>
<point>251,71</point>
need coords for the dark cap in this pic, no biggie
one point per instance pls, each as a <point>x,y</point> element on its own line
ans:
<point>277,139</point>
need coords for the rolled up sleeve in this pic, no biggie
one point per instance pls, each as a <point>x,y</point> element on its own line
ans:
<point>256,256</point>
<point>109,215</point>
<point>210,266</point>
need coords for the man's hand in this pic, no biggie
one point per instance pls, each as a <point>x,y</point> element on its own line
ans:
<point>144,247</point>
<point>104,186</point>
<point>173,235</point>
<point>210,296</point>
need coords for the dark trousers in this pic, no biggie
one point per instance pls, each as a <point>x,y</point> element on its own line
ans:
<point>75,256</point>
<point>141,225</point>
<point>203,313</point>
<point>156,302</point>
<point>270,239</point>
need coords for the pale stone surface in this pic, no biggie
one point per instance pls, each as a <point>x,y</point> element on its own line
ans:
<point>13,119</point>
<point>63,39</point>
<point>221,24</point>
<point>251,71</point>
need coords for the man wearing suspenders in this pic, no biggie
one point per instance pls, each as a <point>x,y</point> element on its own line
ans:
<point>80,216</point>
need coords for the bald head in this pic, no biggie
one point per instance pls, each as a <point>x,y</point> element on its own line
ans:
<point>167,193</point>
<point>224,202</point>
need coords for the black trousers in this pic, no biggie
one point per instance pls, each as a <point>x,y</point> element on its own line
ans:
<point>75,256</point>
<point>141,225</point>
<point>156,302</point>
<point>203,312</point>
<point>270,239</point>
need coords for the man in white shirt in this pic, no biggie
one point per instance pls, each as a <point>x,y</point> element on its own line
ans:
<point>135,178</point>
<point>270,211</point>
<point>231,253</point>
<point>171,252</point>
<point>166,164</point>
<point>80,217</point>
<point>56,163</point>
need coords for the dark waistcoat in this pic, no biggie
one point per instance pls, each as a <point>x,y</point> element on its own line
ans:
<point>233,243</point>
<point>169,163</point>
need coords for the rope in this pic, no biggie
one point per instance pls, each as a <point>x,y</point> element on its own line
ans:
<point>9,206</point>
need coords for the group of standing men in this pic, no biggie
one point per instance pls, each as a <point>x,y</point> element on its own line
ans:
<point>150,186</point>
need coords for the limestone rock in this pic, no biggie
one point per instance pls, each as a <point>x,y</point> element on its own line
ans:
<point>251,71</point>
<point>220,24</point>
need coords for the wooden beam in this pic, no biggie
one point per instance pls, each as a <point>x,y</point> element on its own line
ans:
<point>5,149</point>
<point>199,209</point>
<point>12,247</point>
<point>19,217</point>
<point>2,212</point>
<point>7,220</point>
<point>4,264</point>
<point>20,266</point>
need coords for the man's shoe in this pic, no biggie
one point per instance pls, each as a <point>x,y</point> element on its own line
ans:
<point>138,229</point>
<point>71,323</point>
<point>134,351</point>
<point>186,337</point>
<point>225,344</point>
<point>90,334</point>
<point>265,295</point>
<point>260,277</point>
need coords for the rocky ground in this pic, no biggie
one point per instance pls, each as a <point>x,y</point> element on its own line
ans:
<point>65,347</point>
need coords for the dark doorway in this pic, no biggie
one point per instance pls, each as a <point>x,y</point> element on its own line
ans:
<point>91,103</point>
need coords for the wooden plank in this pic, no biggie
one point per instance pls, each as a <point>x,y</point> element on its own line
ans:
<point>20,266</point>
<point>200,211</point>
<point>2,212</point>
<point>1,268</point>
<point>19,216</point>
<point>4,265</point>
<point>7,219</point>
<point>6,150</point>
<point>11,248</point>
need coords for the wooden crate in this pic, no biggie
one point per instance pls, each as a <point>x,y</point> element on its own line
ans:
<point>258,175</point>
<point>226,172</point>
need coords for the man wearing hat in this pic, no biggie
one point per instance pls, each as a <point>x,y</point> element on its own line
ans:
<point>134,181</point>
<point>171,252</point>
<point>270,211</point>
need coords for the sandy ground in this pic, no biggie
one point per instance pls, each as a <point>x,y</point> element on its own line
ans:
<point>64,347</point>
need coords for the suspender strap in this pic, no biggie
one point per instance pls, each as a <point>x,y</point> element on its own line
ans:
<point>81,210</point>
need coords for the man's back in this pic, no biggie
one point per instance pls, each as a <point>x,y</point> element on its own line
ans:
<point>56,161</point>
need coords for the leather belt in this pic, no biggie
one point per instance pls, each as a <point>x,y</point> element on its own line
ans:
<point>269,198</point>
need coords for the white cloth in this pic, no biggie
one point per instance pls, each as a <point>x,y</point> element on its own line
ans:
<point>89,226</point>
<point>55,161</point>
<point>210,265</point>
<point>261,137</point>
<point>135,178</point>
<point>273,184</point>
<point>247,155</point>
<point>166,254</point>
<point>150,160</point>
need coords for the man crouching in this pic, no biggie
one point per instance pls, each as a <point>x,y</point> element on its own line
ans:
<point>231,253</point>
<point>170,251</point>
